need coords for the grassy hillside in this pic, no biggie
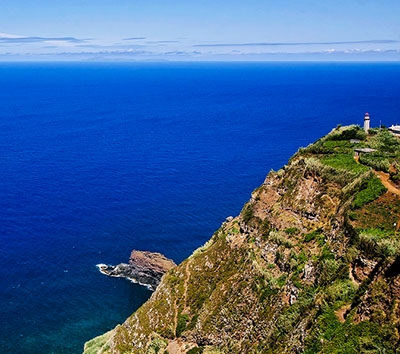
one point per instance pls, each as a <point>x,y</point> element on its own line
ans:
<point>310,265</point>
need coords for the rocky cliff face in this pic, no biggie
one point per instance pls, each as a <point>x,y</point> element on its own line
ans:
<point>299,270</point>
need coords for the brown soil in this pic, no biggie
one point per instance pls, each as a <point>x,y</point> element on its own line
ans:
<point>384,177</point>
<point>341,313</point>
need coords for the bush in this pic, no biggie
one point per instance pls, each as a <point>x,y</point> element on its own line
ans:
<point>316,234</point>
<point>157,345</point>
<point>377,162</point>
<point>376,244</point>
<point>341,290</point>
<point>328,270</point>
<point>247,213</point>
<point>373,189</point>
<point>292,231</point>
<point>347,133</point>
<point>395,178</point>
<point>385,142</point>
<point>349,337</point>
<point>183,319</point>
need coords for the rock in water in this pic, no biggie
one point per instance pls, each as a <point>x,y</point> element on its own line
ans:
<point>145,268</point>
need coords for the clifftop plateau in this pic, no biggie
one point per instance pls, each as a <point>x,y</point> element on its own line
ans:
<point>311,264</point>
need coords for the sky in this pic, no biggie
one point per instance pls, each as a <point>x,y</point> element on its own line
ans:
<point>202,30</point>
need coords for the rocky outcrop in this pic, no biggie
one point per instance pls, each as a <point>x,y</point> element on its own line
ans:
<point>145,268</point>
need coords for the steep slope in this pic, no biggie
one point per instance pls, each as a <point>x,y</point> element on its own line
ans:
<point>307,266</point>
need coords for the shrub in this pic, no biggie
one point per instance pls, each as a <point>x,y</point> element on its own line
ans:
<point>376,244</point>
<point>157,344</point>
<point>328,270</point>
<point>247,213</point>
<point>376,161</point>
<point>385,142</point>
<point>166,333</point>
<point>314,166</point>
<point>347,133</point>
<point>279,239</point>
<point>316,234</point>
<point>373,189</point>
<point>341,290</point>
<point>292,231</point>
<point>332,336</point>
<point>183,319</point>
<point>395,178</point>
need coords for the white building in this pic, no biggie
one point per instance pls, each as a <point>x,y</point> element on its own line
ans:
<point>366,122</point>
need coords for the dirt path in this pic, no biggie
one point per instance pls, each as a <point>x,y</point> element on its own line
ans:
<point>177,346</point>
<point>174,347</point>
<point>185,285</point>
<point>341,313</point>
<point>384,177</point>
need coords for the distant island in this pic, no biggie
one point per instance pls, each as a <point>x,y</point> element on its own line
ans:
<point>311,264</point>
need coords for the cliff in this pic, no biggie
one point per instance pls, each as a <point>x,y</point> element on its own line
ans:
<point>310,265</point>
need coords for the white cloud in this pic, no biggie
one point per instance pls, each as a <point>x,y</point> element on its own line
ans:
<point>8,35</point>
<point>143,48</point>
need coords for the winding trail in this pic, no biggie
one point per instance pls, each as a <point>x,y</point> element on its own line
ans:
<point>176,346</point>
<point>384,177</point>
<point>185,285</point>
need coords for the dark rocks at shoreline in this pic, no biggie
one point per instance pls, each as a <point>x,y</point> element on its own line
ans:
<point>145,268</point>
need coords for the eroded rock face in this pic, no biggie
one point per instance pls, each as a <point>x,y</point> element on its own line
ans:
<point>145,268</point>
<point>362,268</point>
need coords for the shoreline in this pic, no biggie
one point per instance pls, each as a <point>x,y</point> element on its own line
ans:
<point>102,266</point>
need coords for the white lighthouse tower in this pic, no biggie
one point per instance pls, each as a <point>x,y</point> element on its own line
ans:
<point>366,122</point>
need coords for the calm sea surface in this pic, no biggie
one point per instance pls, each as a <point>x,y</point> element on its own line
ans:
<point>100,159</point>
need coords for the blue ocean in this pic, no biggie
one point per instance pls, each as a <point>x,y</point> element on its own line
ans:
<point>97,159</point>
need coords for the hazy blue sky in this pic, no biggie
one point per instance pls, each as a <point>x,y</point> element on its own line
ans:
<point>200,30</point>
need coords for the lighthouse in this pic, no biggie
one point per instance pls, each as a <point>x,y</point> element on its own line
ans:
<point>366,122</point>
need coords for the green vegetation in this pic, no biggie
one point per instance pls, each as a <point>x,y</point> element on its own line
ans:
<point>373,189</point>
<point>381,214</point>
<point>247,213</point>
<point>332,336</point>
<point>344,162</point>
<point>338,147</point>
<point>311,264</point>
<point>340,292</point>
<point>157,346</point>
<point>316,234</point>
<point>376,161</point>
<point>337,141</point>
<point>93,346</point>
<point>385,143</point>
<point>346,133</point>
<point>292,231</point>
<point>183,319</point>
<point>336,150</point>
<point>378,244</point>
